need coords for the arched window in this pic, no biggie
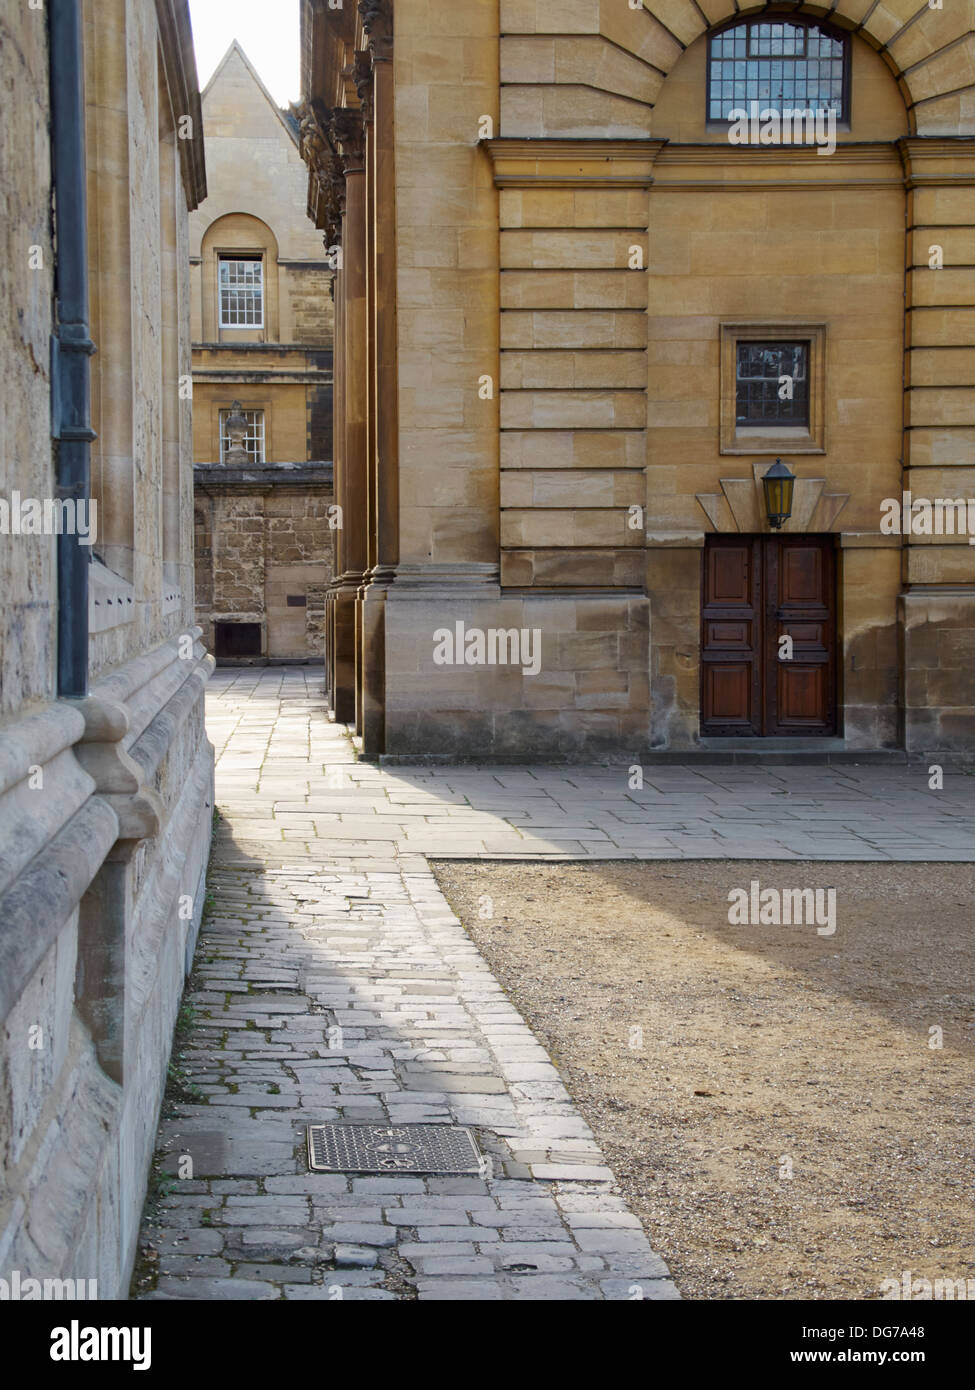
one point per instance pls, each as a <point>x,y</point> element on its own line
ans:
<point>787,65</point>
<point>240,280</point>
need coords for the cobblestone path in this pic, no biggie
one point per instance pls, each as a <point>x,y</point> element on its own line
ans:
<point>348,991</point>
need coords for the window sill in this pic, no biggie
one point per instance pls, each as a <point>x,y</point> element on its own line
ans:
<point>762,441</point>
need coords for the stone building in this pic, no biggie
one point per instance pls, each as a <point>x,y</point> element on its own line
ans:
<point>106,774</point>
<point>262,316</point>
<point>583,309</point>
<point>263,559</point>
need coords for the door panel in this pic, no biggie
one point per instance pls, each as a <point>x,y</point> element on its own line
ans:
<point>799,694</point>
<point>731,656</point>
<point>756,590</point>
<point>730,636</point>
<point>728,688</point>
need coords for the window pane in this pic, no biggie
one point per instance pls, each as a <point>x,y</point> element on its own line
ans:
<point>241,292</point>
<point>253,439</point>
<point>772,386</point>
<point>808,71</point>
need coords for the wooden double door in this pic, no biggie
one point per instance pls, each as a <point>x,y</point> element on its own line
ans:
<point>758,590</point>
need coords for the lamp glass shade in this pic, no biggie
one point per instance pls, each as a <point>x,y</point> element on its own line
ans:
<point>778,484</point>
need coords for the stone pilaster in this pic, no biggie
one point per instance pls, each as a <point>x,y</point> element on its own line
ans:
<point>377,97</point>
<point>937,603</point>
<point>348,136</point>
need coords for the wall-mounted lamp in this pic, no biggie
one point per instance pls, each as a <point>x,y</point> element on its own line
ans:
<point>778,484</point>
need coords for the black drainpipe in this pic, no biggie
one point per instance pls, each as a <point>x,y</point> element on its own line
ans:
<point>71,344</point>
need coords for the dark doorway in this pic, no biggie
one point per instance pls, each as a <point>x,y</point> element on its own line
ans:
<point>237,639</point>
<point>758,590</point>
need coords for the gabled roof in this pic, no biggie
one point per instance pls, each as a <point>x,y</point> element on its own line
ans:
<point>236,48</point>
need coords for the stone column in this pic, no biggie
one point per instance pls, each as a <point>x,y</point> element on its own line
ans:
<point>362,75</point>
<point>379,26</point>
<point>348,134</point>
<point>327,205</point>
<point>384,461</point>
<point>338,437</point>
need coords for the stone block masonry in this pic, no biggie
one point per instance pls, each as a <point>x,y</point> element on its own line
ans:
<point>264,555</point>
<point>106,775</point>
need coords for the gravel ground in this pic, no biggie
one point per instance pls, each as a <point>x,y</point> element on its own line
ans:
<point>765,1051</point>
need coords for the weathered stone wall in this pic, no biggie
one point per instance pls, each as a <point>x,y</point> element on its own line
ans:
<point>311,305</point>
<point>937,608</point>
<point>106,802</point>
<point>321,409</point>
<point>588,697</point>
<point>447,261</point>
<point>27,563</point>
<point>624,234</point>
<point>264,537</point>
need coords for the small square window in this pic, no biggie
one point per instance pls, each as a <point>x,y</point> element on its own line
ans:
<point>773,388</point>
<point>253,440</point>
<point>772,384</point>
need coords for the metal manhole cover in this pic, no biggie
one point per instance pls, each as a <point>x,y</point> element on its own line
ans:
<point>392,1149</point>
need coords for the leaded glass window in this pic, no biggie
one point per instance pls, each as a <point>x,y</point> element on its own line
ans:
<point>772,384</point>
<point>782,66</point>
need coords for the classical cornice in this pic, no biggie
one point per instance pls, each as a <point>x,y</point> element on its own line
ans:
<point>937,159</point>
<point>720,152</point>
<point>218,479</point>
<point>179,63</point>
<point>874,164</point>
<point>327,44</point>
<point>575,163</point>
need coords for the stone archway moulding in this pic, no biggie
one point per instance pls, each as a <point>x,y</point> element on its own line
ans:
<point>930,51</point>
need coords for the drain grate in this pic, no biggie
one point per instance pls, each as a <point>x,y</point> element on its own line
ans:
<point>393,1149</point>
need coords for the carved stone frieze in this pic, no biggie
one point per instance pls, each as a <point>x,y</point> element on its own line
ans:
<point>348,133</point>
<point>325,167</point>
<point>362,76</point>
<point>377,21</point>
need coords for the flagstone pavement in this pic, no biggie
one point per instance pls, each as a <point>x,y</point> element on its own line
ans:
<point>334,983</point>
